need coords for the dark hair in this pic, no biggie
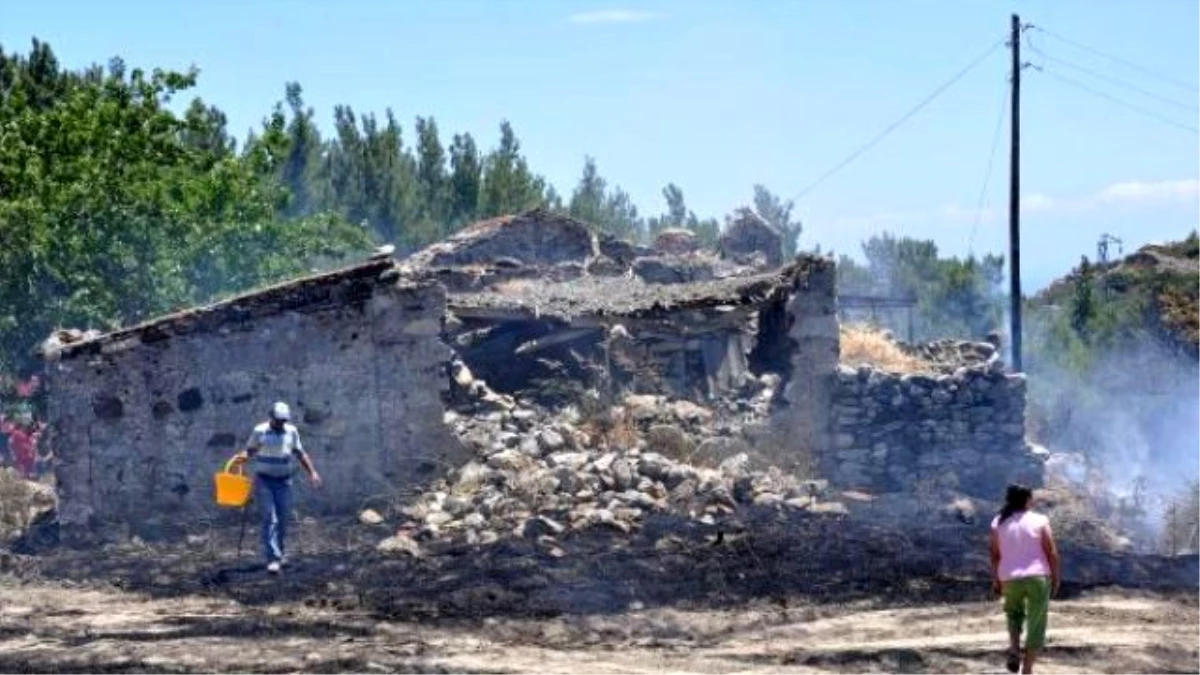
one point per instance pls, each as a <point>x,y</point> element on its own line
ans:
<point>1016,498</point>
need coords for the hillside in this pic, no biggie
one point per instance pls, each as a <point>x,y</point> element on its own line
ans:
<point>1154,290</point>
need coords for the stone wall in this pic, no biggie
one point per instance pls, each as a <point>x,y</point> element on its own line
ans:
<point>901,433</point>
<point>799,429</point>
<point>141,419</point>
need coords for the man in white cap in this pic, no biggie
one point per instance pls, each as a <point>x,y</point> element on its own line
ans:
<point>274,448</point>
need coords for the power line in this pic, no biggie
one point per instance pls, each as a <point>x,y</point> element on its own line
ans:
<point>987,175</point>
<point>1148,113</point>
<point>1111,80</point>
<point>1128,64</point>
<point>895,125</point>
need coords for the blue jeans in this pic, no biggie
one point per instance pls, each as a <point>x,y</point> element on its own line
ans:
<point>275,497</point>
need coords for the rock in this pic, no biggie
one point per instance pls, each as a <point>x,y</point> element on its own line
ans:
<point>643,406</point>
<point>654,466</point>
<point>541,526</point>
<point>457,506</point>
<point>603,464</point>
<point>471,477</point>
<point>530,447</point>
<point>438,519</point>
<point>829,508</point>
<point>767,499</point>
<point>524,418</point>
<point>688,412</point>
<point>676,241</point>
<point>799,502</point>
<point>370,517</point>
<point>551,440</point>
<point>712,451</point>
<point>669,441</point>
<point>571,460</point>
<point>399,545</point>
<point>509,460</point>
<point>623,474</point>
<point>735,465</point>
<point>678,474</point>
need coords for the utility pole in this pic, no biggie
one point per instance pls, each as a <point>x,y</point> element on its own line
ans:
<point>1014,198</point>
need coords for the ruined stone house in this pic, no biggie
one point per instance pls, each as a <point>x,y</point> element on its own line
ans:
<point>537,306</point>
<point>143,417</point>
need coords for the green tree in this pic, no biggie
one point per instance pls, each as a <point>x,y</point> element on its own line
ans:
<point>588,201</point>
<point>431,173</point>
<point>113,209</point>
<point>676,215</point>
<point>1083,302</point>
<point>508,185</point>
<point>298,170</point>
<point>707,230</point>
<point>779,215</point>
<point>466,177</point>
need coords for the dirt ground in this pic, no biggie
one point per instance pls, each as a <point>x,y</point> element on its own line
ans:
<point>723,603</point>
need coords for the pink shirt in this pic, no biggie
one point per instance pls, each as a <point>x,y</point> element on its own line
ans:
<point>1021,553</point>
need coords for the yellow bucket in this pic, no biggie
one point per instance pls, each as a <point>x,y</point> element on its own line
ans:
<point>233,486</point>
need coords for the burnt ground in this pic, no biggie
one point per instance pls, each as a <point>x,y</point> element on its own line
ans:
<point>807,595</point>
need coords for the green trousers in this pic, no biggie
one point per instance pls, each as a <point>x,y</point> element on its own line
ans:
<point>1027,604</point>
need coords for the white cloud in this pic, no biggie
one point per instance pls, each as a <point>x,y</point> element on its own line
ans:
<point>1139,191</point>
<point>613,16</point>
<point>1132,193</point>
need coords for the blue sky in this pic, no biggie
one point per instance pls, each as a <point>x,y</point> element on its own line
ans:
<point>718,96</point>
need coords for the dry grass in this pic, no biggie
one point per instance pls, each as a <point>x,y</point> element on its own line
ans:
<point>866,345</point>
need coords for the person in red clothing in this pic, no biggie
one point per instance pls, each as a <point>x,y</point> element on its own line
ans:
<point>23,435</point>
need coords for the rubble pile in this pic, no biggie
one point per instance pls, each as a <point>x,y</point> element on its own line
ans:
<point>544,475</point>
<point>950,355</point>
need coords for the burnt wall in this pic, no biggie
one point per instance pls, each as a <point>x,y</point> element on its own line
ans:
<point>139,425</point>
<point>900,433</point>
<point>798,432</point>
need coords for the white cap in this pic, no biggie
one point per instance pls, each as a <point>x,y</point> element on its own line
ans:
<point>281,412</point>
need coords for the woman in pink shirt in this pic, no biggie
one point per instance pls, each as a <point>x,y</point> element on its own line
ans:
<point>1025,569</point>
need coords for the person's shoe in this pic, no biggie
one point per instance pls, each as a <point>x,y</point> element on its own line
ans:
<point>273,567</point>
<point>283,561</point>
<point>1014,661</point>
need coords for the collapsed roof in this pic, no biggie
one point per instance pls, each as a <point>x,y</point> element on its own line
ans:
<point>534,296</point>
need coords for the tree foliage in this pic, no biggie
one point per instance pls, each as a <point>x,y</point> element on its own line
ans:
<point>779,214</point>
<point>113,208</point>
<point>954,297</point>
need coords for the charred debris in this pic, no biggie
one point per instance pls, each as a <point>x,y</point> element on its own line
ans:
<point>542,308</point>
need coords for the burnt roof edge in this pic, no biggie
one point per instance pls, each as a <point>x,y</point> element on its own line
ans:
<point>156,328</point>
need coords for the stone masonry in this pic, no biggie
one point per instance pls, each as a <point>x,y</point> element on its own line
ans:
<point>142,418</point>
<point>902,433</point>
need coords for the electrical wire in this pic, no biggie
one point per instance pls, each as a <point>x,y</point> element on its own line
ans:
<point>895,125</point>
<point>1111,80</point>
<point>1113,99</point>
<point>1116,59</point>
<point>987,175</point>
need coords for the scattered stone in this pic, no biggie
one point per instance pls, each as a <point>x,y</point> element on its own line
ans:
<point>829,508</point>
<point>400,545</point>
<point>669,441</point>
<point>570,460</point>
<point>370,517</point>
<point>509,460</point>
<point>551,440</point>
